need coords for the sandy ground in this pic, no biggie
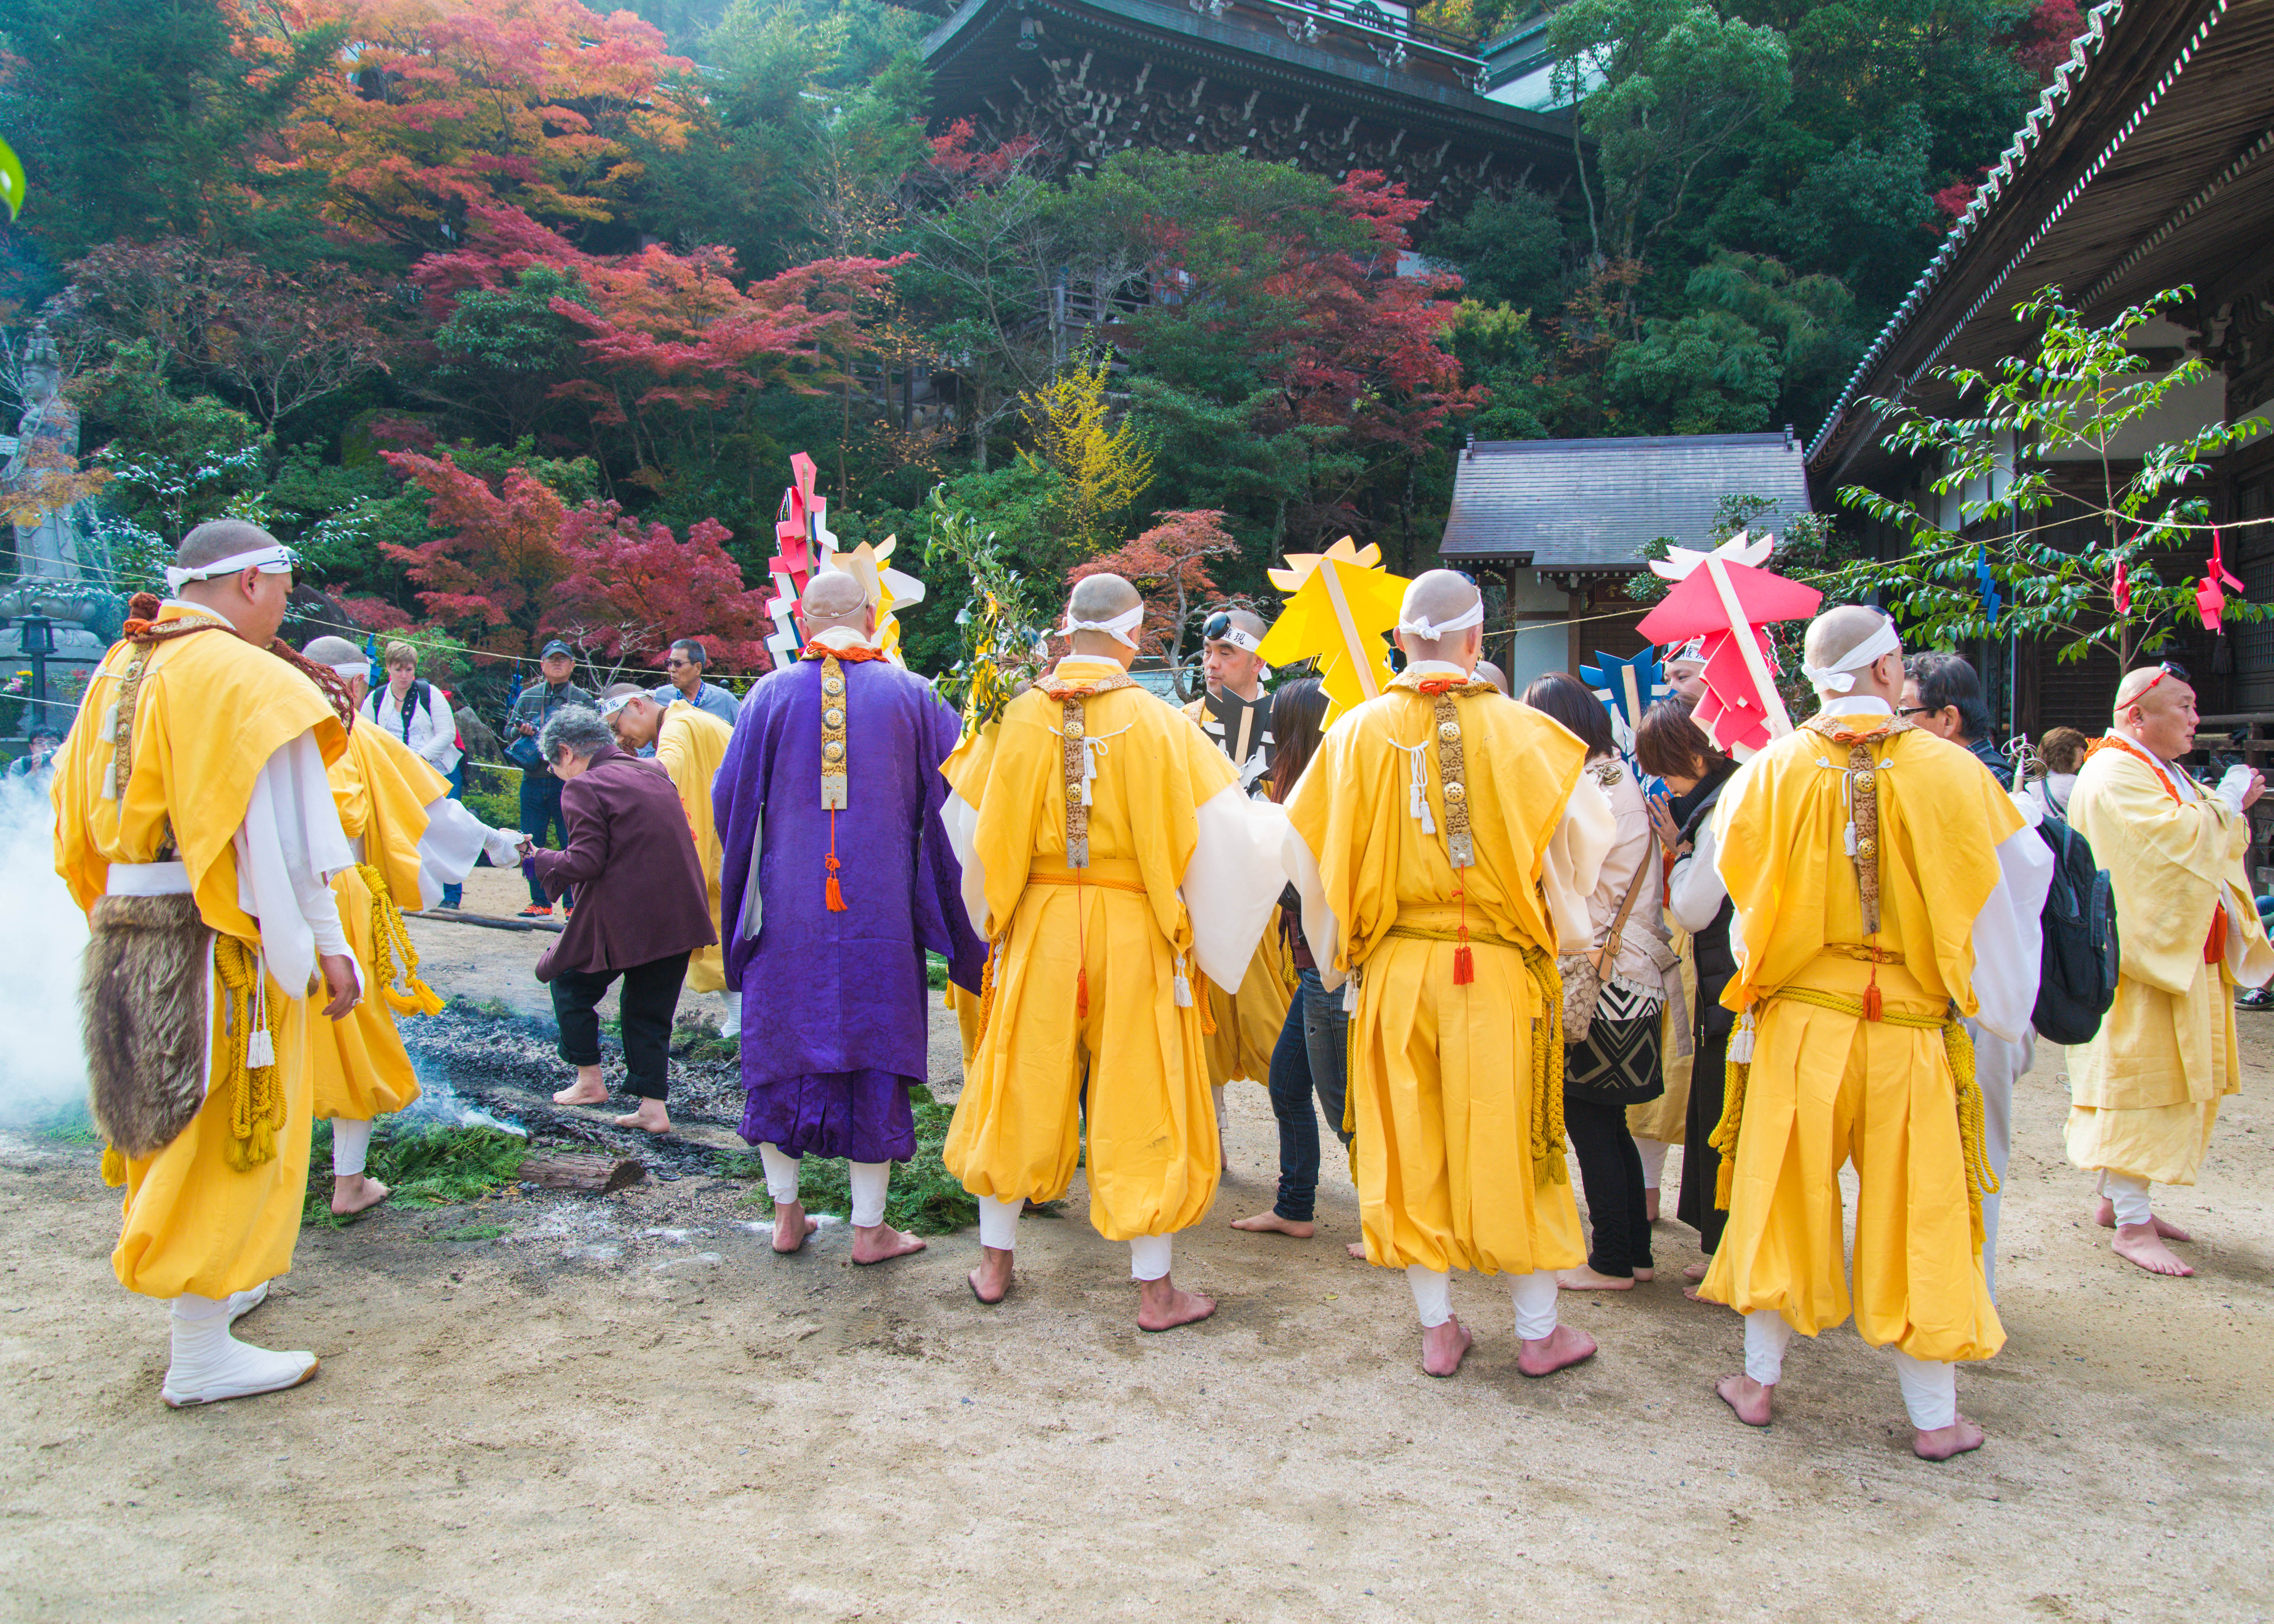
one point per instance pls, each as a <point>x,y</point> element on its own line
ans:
<point>626,1408</point>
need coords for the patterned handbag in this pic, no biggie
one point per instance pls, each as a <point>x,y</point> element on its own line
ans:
<point>1583,973</point>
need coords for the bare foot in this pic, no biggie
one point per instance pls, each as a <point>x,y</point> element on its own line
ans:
<point>354,1193</point>
<point>2140,1244</point>
<point>1944,1442</point>
<point>1272,1223</point>
<point>1650,1205</point>
<point>1562,1347</point>
<point>2105,1217</point>
<point>1584,1279</point>
<point>650,1115</point>
<point>792,1226</point>
<point>587,1089</point>
<point>990,1281</point>
<point>1696,1271</point>
<point>881,1243</point>
<point>1644,1276</point>
<point>1357,1249</point>
<point>1751,1401</point>
<point>1443,1347</point>
<point>1162,1305</point>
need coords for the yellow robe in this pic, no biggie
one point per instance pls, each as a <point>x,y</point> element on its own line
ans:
<point>1134,1067</point>
<point>1826,1088</point>
<point>1441,1075</point>
<point>1666,1118</point>
<point>690,746</point>
<point>382,790</point>
<point>211,712</point>
<point>2144,1094</point>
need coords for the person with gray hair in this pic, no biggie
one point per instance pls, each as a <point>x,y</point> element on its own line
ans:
<point>642,909</point>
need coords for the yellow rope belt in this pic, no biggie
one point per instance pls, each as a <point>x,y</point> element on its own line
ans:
<point>256,1095</point>
<point>1546,1047</point>
<point>1957,1043</point>
<point>390,944</point>
<point>1052,876</point>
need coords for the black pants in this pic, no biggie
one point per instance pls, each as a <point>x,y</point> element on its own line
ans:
<point>1610,1169</point>
<point>649,1001</point>
<point>541,821</point>
<point>1701,1163</point>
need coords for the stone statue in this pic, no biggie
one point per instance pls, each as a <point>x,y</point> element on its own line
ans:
<point>47,439</point>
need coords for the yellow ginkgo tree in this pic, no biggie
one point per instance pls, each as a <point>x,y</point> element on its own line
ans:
<point>1106,465</point>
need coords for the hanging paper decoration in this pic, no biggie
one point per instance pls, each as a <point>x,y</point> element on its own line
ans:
<point>2210,601</point>
<point>802,528</point>
<point>1341,606</point>
<point>2120,589</point>
<point>1992,600</point>
<point>1725,597</point>
<point>888,589</point>
<point>1627,689</point>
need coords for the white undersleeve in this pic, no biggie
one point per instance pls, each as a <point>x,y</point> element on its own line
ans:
<point>1432,1295</point>
<point>1653,1153</point>
<point>998,1223</point>
<point>1929,1391</point>
<point>871,1181</point>
<point>2128,1195</point>
<point>781,1174</point>
<point>1766,1337</point>
<point>1148,1257</point>
<point>350,1145</point>
<point>1535,1304</point>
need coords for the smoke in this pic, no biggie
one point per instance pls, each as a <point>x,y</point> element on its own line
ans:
<point>42,1064</point>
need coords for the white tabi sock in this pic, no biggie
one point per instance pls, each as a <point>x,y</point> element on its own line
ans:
<point>1653,1153</point>
<point>781,1174</point>
<point>999,1222</point>
<point>350,1145</point>
<point>1432,1295</point>
<point>1929,1391</point>
<point>1766,1337</point>
<point>730,1024</point>
<point>871,1182</point>
<point>1535,1304</point>
<point>209,1364</point>
<point>1148,1257</point>
<point>2129,1195</point>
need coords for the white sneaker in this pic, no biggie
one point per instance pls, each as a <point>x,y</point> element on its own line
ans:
<point>209,1364</point>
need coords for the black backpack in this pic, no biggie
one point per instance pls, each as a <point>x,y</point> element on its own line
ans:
<point>2078,980</point>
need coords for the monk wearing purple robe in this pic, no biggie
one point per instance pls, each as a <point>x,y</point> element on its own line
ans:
<point>836,877</point>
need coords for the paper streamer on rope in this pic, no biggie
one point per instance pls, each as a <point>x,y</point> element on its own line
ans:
<point>1986,580</point>
<point>2120,589</point>
<point>2211,598</point>
<point>1725,597</point>
<point>1340,608</point>
<point>798,532</point>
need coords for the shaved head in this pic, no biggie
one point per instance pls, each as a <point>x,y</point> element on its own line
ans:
<point>254,602</point>
<point>336,651</point>
<point>1437,596</point>
<point>1493,674</point>
<point>219,538</point>
<point>1836,634</point>
<point>639,721</point>
<point>833,599</point>
<point>2156,709</point>
<point>1103,597</point>
<point>1249,622</point>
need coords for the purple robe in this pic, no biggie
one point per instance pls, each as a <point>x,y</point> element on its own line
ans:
<point>834,1004</point>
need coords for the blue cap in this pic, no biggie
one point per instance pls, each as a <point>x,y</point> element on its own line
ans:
<point>557,647</point>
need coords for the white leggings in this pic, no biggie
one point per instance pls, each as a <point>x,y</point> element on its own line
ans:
<point>2129,1195</point>
<point>871,1180</point>
<point>1929,1388</point>
<point>350,1143</point>
<point>1653,1153</point>
<point>1149,1255</point>
<point>1534,1294</point>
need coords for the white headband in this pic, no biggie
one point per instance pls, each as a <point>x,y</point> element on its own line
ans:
<point>1423,627</point>
<point>1835,678</point>
<point>609,707</point>
<point>1694,651</point>
<point>276,559</point>
<point>360,672</point>
<point>1117,628</point>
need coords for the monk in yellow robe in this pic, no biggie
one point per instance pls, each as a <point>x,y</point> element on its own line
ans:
<point>1235,713</point>
<point>1445,840</point>
<point>409,840</point>
<point>1884,886</point>
<point>195,824</point>
<point>1111,860</point>
<point>2144,1094</point>
<point>688,745</point>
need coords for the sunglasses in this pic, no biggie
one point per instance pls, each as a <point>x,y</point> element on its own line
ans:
<point>1218,628</point>
<point>2169,668</point>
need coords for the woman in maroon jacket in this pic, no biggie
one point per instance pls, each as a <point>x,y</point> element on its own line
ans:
<point>641,909</point>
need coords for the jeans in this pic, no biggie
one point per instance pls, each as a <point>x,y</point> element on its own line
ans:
<point>649,1001</point>
<point>1310,1058</point>
<point>540,814</point>
<point>454,895</point>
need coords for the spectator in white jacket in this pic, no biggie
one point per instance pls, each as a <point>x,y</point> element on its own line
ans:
<point>415,711</point>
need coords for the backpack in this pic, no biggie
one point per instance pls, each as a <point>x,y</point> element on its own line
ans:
<point>2077,979</point>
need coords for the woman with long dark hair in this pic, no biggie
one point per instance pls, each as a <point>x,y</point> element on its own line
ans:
<point>1309,1058</point>
<point>1621,1061</point>
<point>1670,746</point>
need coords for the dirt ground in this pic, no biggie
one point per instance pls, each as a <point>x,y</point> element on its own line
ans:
<point>627,1408</point>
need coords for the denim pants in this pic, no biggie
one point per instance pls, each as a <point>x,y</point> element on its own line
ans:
<point>540,816</point>
<point>454,895</point>
<point>1311,1058</point>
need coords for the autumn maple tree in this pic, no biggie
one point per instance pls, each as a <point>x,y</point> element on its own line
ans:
<point>491,568</point>
<point>631,588</point>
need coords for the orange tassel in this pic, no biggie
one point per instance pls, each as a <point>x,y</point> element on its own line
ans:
<point>832,893</point>
<point>1871,996</point>
<point>835,895</point>
<point>1464,965</point>
<point>1081,994</point>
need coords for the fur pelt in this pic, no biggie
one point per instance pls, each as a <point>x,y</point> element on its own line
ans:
<point>142,997</point>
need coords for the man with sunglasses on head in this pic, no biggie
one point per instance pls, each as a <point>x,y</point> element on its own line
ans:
<point>2144,1094</point>
<point>1235,713</point>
